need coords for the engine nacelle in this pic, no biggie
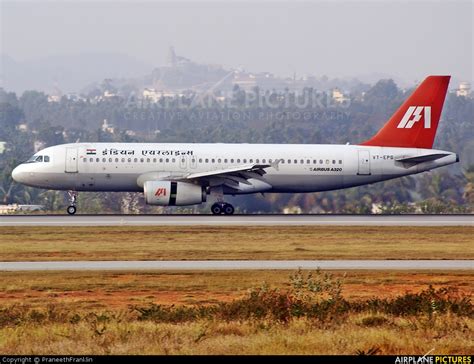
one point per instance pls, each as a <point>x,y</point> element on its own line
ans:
<point>169,193</point>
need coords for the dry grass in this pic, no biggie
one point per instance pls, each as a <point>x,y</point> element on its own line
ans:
<point>89,313</point>
<point>266,243</point>
<point>448,335</point>
<point>118,290</point>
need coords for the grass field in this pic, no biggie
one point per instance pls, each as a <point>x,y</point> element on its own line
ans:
<point>217,312</point>
<point>118,290</point>
<point>91,313</point>
<point>266,243</point>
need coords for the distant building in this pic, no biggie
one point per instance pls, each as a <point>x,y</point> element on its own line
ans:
<point>245,81</point>
<point>22,127</point>
<point>151,95</point>
<point>54,98</point>
<point>12,208</point>
<point>338,96</point>
<point>38,145</point>
<point>464,89</point>
<point>107,128</point>
<point>108,94</point>
<point>3,146</point>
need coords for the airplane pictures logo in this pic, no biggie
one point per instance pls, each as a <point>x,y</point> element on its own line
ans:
<point>413,115</point>
<point>160,192</point>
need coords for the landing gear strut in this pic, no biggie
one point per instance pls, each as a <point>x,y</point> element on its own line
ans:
<point>222,208</point>
<point>71,209</point>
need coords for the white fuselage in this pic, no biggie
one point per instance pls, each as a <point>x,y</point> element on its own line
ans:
<point>293,167</point>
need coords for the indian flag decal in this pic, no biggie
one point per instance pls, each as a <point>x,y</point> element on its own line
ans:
<point>91,151</point>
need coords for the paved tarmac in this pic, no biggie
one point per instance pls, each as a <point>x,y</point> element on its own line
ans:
<point>241,265</point>
<point>247,220</point>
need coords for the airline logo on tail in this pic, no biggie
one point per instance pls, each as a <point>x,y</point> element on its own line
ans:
<point>413,115</point>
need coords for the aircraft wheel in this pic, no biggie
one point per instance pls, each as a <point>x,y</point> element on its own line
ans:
<point>228,209</point>
<point>216,209</point>
<point>71,210</point>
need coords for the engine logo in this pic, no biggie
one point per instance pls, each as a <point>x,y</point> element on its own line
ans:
<point>160,192</point>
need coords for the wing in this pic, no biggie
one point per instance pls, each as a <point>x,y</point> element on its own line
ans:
<point>243,178</point>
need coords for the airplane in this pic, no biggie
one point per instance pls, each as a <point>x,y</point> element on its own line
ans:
<point>179,174</point>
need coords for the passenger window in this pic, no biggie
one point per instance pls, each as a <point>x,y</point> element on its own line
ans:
<point>327,161</point>
<point>167,160</point>
<point>46,158</point>
<point>91,160</point>
<point>161,160</point>
<point>257,161</point>
<point>308,161</point>
<point>225,160</point>
<point>154,160</point>
<point>315,161</point>
<point>123,160</point>
<point>232,160</point>
<point>213,160</point>
<point>207,160</point>
<point>116,160</point>
<point>84,160</point>
<point>110,160</point>
<point>245,160</point>
<point>340,161</point>
<point>219,160</point>
<point>263,160</point>
<point>129,160</point>
<point>97,160</point>
<point>251,161</point>
<point>296,161</point>
<point>333,161</point>
<point>173,160</point>
<point>320,161</point>
<point>148,160</point>
<point>104,160</point>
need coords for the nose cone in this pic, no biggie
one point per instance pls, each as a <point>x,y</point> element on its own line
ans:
<point>18,175</point>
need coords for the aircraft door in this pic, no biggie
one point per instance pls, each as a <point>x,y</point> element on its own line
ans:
<point>71,160</point>
<point>364,163</point>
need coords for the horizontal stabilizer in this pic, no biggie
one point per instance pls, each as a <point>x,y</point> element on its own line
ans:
<point>422,158</point>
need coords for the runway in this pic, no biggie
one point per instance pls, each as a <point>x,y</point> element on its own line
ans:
<point>246,220</point>
<point>241,265</point>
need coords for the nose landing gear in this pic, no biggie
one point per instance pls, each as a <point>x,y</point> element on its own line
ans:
<point>222,208</point>
<point>71,209</point>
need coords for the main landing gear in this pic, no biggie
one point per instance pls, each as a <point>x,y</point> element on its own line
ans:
<point>71,209</point>
<point>222,208</point>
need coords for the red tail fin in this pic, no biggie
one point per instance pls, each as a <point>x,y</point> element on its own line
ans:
<point>414,124</point>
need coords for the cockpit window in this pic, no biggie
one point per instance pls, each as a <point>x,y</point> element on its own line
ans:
<point>37,158</point>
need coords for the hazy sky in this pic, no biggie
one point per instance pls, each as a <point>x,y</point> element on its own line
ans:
<point>405,39</point>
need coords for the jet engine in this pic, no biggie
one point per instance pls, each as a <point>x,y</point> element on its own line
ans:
<point>169,193</point>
